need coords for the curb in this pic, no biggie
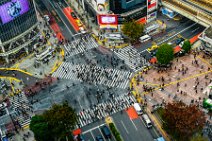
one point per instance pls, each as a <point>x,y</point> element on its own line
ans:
<point>15,69</point>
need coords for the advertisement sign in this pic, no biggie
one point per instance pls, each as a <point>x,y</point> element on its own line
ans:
<point>102,5</point>
<point>13,9</point>
<point>142,20</point>
<point>152,16</point>
<point>152,5</point>
<point>108,19</point>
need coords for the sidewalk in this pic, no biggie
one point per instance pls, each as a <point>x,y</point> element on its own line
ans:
<point>28,63</point>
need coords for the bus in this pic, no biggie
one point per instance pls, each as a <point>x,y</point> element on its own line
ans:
<point>144,38</point>
<point>207,104</point>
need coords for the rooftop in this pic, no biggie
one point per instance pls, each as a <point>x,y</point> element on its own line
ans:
<point>208,32</point>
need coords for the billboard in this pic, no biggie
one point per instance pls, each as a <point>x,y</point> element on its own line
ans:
<point>108,19</point>
<point>152,5</point>
<point>13,9</point>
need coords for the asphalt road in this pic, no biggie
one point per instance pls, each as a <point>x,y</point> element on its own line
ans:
<point>185,28</point>
<point>28,80</point>
<point>130,130</point>
<point>133,129</point>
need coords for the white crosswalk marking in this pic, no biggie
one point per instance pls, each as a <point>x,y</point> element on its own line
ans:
<point>93,74</point>
<point>102,110</point>
<point>131,57</point>
<point>79,46</point>
<point>20,102</point>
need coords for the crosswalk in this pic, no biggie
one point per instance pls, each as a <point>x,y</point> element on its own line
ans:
<point>102,110</point>
<point>21,103</point>
<point>94,74</point>
<point>79,45</point>
<point>131,57</point>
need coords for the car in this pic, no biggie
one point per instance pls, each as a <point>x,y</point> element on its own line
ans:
<point>179,40</point>
<point>79,23</point>
<point>99,138</point>
<point>82,30</point>
<point>106,132</point>
<point>181,44</point>
<point>73,15</point>
<point>80,138</point>
<point>154,47</point>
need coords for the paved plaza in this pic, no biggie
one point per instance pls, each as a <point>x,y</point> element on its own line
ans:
<point>186,80</point>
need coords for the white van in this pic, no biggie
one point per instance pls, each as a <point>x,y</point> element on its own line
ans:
<point>144,38</point>
<point>147,121</point>
<point>138,108</point>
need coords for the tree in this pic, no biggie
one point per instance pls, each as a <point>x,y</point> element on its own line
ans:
<point>132,29</point>
<point>186,46</point>
<point>198,137</point>
<point>182,120</point>
<point>40,128</point>
<point>165,54</point>
<point>61,119</point>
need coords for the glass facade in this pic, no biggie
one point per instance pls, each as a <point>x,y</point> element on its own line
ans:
<point>19,24</point>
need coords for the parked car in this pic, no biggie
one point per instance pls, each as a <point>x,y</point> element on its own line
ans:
<point>147,121</point>
<point>106,131</point>
<point>73,15</point>
<point>179,40</point>
<point>99,138</point>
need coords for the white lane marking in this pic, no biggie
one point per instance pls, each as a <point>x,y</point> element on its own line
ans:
<point>134,125</point>
<point>94,128</point>
<point>102,134</point>
<point>92,135</point>
<point>176,34</point>
<point>142,121</point>
<point>143,51</point>
<point>79,104</point>
<point>124,127</point>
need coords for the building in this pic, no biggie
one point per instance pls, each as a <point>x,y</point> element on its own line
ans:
<point>206,38</point>
<point>123,9</point>
<point>18,28</point>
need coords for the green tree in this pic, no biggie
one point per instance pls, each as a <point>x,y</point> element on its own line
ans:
<point>132,29</point>
<point>198,137</point>
<point>40,128</point>
<point>186,46</point>
<point>61,119</point>
<point>182,121</point>
<point>165,54</point>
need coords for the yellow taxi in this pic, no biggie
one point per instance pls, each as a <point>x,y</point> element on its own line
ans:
<point>79,23</point>
<point>153,47</point>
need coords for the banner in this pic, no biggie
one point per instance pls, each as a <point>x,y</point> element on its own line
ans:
<point>13,9</point>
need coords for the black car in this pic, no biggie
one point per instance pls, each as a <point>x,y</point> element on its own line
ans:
<point>106,131</point>
<point>99,138</point>
<point>179,40</point>
<point>73,15</point>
